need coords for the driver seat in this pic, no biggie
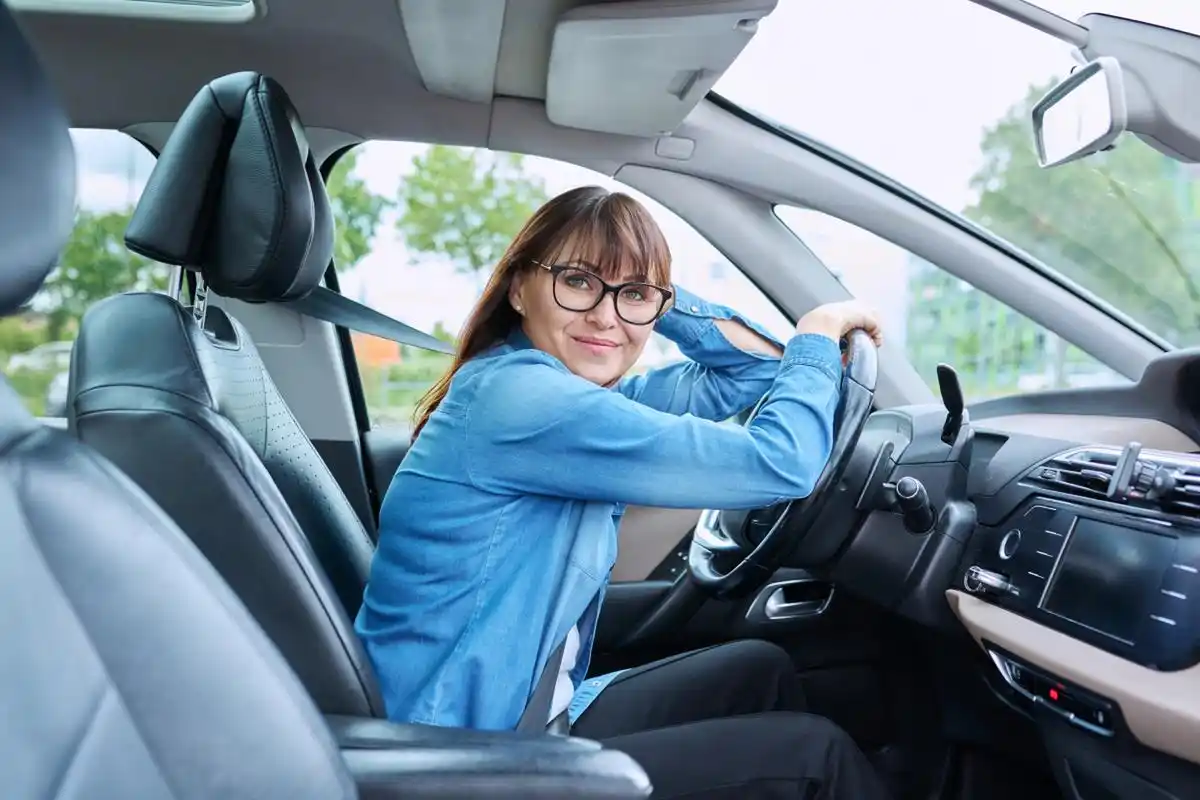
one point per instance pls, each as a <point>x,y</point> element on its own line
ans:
<point>189,410</point>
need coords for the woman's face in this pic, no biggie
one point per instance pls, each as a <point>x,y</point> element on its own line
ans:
<point>597,345</point>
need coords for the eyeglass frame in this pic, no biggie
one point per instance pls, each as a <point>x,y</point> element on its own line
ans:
<point>557,269</point>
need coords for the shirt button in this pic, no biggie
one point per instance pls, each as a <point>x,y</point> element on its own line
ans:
<point>695,309</point>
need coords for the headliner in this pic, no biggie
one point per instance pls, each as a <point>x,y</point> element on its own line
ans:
<point>347,65</point>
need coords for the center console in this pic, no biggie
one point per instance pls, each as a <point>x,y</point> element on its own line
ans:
<point>1116,572</point>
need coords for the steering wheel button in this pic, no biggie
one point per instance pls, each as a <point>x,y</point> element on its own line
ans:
<point>1009,544</point>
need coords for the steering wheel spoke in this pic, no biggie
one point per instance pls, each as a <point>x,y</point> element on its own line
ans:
<point>709,534</point>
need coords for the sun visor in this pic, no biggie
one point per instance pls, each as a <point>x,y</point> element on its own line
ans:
<point>639,67</point>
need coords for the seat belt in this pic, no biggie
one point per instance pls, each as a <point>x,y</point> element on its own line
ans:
<point>330,306</point>
<point>536,717</point>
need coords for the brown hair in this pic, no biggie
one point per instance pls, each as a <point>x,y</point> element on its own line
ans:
<point>616,231</point>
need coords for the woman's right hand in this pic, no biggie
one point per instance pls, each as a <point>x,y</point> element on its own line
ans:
<point>836,320</point>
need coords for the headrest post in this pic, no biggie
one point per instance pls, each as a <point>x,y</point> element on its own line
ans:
<point>200,303</point>
<point>175,284</point>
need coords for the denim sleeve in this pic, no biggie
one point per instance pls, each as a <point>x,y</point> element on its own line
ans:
<point>535,428</point>
<point>718,380</point>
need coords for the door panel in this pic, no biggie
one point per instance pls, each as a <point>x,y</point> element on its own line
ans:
<point>647,537</point>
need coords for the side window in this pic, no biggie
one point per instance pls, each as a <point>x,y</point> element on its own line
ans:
<point>938,318</point>
<point>35,345</point>
<point>420,228</point>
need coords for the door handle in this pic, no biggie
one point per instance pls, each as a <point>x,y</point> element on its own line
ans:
<point>794,599</point>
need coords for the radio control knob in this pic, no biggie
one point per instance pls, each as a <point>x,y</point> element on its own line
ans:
<point>980,580</point>
<point>1009,544</point>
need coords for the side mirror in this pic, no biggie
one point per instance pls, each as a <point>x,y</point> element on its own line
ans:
<point>1082,115</point>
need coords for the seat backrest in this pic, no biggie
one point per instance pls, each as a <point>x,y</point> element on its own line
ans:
<point>127,667</point>
<point>190,412</point>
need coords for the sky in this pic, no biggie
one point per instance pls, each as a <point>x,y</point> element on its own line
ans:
<point>906,86</point>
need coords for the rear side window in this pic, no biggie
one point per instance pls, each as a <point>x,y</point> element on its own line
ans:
<point>35,345</point>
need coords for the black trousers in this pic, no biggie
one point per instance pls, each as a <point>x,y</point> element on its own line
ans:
<point>727,722</point>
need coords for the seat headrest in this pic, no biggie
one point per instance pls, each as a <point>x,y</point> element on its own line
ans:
<point>236,195</point>
<point>37,172</point>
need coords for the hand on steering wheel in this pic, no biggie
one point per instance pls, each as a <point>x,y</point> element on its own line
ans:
<point>836,320</point>
<point>727,538</point>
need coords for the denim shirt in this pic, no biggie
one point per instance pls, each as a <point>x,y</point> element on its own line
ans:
<point>499,530</point>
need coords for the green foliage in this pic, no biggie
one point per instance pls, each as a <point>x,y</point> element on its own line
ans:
<point>1118,223</point>
<point>95,264</point>
<point>356,211</point>
<point>19,335</point>
<point>466,205</point>
<point>393,392</point>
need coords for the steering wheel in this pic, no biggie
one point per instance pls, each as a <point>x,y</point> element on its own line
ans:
<point>759,540</point>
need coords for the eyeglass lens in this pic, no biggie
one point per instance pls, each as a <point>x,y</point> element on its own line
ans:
<point>579,290</point>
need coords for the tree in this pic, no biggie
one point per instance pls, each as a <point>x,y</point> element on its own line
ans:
<point>356,211</point>
<point>466,206</point>
<point>1114,222</point>
<point>95,264</point>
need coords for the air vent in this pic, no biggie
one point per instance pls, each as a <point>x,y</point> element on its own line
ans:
<point>1166,483</point>
<point>1083,473</point>
<point>1183,496</point>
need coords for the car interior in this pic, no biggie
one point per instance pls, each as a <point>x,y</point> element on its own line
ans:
<point>992,595</point>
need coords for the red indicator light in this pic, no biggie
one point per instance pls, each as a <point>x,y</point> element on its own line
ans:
<point>1054,694</point>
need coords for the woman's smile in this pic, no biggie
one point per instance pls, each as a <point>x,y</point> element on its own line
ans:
<point>595,345</point>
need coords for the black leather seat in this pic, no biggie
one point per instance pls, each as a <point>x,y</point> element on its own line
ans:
<point>128,668</point>
<point>192,415</point>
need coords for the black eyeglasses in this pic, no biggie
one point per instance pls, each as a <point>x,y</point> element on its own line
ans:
<point>577,289</point>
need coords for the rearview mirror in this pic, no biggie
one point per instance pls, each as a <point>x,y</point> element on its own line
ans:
<point>1084,114</point>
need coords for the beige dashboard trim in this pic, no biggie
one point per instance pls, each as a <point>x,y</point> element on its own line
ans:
<point>1162,709</point>
<point>1094,429</point>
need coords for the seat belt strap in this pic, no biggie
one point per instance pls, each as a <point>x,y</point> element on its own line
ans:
<point>330,306</point>
<point>537,711</point>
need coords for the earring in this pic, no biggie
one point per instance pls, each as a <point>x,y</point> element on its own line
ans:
<point>519,310</point>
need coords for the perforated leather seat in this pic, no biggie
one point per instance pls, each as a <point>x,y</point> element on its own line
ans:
<point>127,667</point>
<point>192,414</point>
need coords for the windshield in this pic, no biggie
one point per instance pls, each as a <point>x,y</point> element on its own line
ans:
<point>936,94</point>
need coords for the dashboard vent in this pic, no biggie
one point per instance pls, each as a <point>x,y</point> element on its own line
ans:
<point>1083,473</point>
<point>1183,497</point>
<point>1166,483</point>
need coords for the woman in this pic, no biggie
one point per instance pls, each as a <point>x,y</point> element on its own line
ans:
<point>499,530</point>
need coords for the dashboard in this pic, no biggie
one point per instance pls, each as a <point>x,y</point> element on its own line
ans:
<point>1068,549</point>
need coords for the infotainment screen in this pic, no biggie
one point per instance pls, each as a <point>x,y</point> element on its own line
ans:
<point>1108,576</point>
